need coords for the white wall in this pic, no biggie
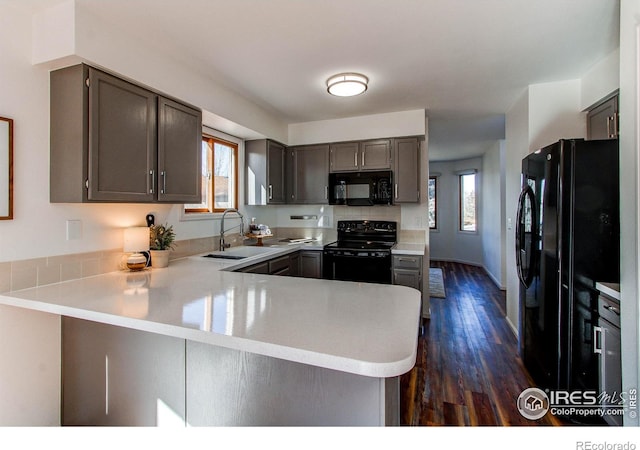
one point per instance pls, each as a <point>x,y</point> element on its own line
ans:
<point>448,243</point>
<point>601,80</point>
<point>403,123</point>
<point>629,195</point>
<point>555,113</point>
<point>492,210</point>
<point>91,39</point>
<point>544,114</point>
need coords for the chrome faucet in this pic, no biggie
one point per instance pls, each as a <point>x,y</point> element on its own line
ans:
<point>222,230</point>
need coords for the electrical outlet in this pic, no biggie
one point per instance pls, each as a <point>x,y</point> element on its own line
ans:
<point>74,229</point>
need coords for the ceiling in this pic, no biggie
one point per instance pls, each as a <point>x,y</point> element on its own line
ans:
<point>464,61</point>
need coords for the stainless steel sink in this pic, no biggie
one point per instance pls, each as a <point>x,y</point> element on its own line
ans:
<point>212,255</point>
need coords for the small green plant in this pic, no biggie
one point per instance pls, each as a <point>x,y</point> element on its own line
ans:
<point>161,237</point>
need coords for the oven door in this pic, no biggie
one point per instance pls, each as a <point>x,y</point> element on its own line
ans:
<point>354,266</point>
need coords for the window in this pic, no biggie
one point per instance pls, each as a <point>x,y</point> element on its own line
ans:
<point>219,177</point>
<point>433,203</point>
<point>468,218</point>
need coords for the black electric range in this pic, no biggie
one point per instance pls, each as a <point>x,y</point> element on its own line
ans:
<point>362,251</point>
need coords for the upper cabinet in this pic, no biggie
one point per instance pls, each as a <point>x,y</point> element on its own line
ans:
<point>308,174</point>
<point>375,155</point>
<point>115,141</point>
<point>363,155</point>
<point>179,169</point>
<point>406,170</point>
<point>277,174</point>
<point>265,172</point>
<point>344,156</point>
<point>602,120</point>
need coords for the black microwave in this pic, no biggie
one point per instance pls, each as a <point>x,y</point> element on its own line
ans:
<point>361,188</point>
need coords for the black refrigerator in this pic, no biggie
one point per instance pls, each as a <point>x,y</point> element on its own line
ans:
<point>567,238</point>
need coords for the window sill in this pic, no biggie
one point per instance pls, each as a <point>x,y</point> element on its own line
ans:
<point>184,217</point>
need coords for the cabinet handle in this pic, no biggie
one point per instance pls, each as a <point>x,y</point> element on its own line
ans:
<point>326,192</point>
<point>106,385</point>
<point>270,192</point>
<point>164,182</point>
<point>615,125</point>
<point>597,339</point>
<point>613,309</point>
<point>355,158</point>
<point>407,259</point>
<point>363,152</point>
<point>608,126</point>
<point>396,190</point>
<point>153,181</point>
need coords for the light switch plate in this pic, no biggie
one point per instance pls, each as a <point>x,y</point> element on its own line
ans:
<point>74,229</point>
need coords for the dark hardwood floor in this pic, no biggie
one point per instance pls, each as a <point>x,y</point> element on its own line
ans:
<point>467,371</point>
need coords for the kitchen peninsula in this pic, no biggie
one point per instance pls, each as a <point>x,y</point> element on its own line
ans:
<point>201,345</point>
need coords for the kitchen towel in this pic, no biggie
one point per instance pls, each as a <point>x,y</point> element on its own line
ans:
<point>436,283</point>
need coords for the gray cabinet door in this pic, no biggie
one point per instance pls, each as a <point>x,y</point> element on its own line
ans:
<point>265,174</point>
<point>407,271</point>
<point>294,264</point>
<point>406,171</point>
<point>311,264</point>
<point>375,155</point>
<point>344,156</point>
<point>262,267</point>
<point>310,174</point>
<point>179,152</point>
<point>602,121</point>
<point>276,171</point>
<point>256,172</point>
<point>122,139</point>
<point>121,377</point>
<point>409,278</point>
<point>365,155</point>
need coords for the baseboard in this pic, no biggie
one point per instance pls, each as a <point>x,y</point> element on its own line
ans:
<point>494,279</point>
<point>475,264</point>
<point>459,261</point>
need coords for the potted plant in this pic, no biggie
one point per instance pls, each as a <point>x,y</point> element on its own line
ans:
<point>161,239</point>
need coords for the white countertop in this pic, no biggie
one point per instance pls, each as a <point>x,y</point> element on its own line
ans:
<point>610,289</point>
<point>408,249</point>
<point>361,328</point>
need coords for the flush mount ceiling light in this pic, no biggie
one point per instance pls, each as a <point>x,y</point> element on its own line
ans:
<point>347,84</point>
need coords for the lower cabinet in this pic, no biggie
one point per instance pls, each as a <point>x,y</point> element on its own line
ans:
<point>262,267</point>
<point>305,263</point>
<point>280,266</point>
<point>234,388</point>
<point>121,377</point>
<point>310,264</point>
<point>407,271</point>
<point>294,264</point>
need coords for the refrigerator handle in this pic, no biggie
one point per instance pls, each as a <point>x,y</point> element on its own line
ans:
<point>526,252</point>
<point>597,340</point>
